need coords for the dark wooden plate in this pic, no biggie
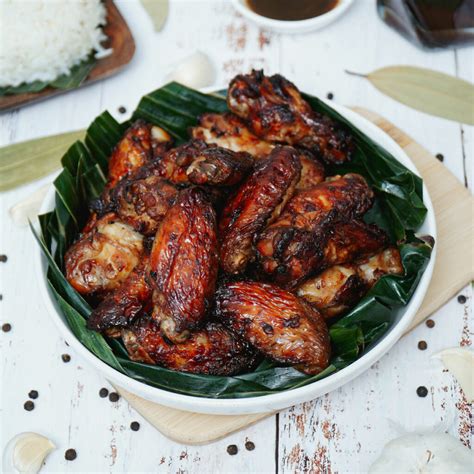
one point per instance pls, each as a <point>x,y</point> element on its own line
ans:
<point>119,38</point>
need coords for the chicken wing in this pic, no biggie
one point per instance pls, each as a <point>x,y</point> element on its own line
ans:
<point>212,350</point>
<point>103,256</point>
<point>340,287</point>
<point>257,202</point>
<point>276,323</point>
<point>275,111</point>
<point>292,247</point>
<point>184,264</point>
<point>120,307</point>
<point>312,171</point>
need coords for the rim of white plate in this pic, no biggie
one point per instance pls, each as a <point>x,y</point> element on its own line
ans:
<point>280,400</point>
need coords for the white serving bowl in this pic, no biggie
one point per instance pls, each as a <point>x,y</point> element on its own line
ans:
<point>292,27</point>
<point>277,401</point>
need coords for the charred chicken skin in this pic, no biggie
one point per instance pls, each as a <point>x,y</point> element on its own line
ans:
<point>292,247</point>
<point>275,111</point>
<point>340,287</point>
<point>183,265</point>
<point>103,256</point>
<point>277,323</point>
<point>212,350</point>
<point>256,203</point>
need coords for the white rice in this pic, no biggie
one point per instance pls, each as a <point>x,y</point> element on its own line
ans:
<point>43,39</point>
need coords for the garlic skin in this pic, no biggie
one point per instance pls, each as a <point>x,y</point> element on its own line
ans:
<point>424,453</point>
<point>25,453</point>
<point>194,71</point>
<point>460,362</point>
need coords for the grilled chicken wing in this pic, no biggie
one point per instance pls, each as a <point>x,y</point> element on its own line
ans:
<point>138,146</point>
<point>277,323</point>
<point>276,112</point>
<point>103,256</point>
<point>212,350</point>
<point>120,307</point>
<point>292,247</point>
<point>340,287</point>
<point>257,202</point>
<point>312,171</point>
<point>183,265</point>
<point>199,163</point>
<point>229,131</point>
<point>142,200</point>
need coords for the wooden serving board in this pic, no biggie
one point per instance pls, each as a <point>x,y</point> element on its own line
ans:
<point>453,206</point>
<point>120,39</point>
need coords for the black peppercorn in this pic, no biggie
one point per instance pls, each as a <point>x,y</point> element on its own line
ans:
<point>122,109</point>
<point>249,446</point>
<point>134,426</point>
<point>440,156</point>
<point>3,258</point>
<point>33,394</point>
<point>430,323</point>
<point>70,454</point>
<point>462,299</point>
<point>29,405</point>
<point>330,95</point>
<point>422,391</point>
<point>422,345</point>
<point>7,327</point>
<point>114,397</point>
<point>66,358</point>
<point>103,392</point>
<point>232,449</point>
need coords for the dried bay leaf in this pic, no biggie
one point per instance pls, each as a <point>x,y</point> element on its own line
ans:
<point>24,162</point>
<point>158,12</point>
<point>432,92</point>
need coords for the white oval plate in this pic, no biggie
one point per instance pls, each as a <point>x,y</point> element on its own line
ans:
<point>275,401</point>
<point>292,27</point>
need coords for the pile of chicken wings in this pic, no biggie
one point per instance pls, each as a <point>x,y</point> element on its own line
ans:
<point>234,246</point>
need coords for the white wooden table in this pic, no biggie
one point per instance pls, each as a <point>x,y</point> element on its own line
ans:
<point>341,432</point>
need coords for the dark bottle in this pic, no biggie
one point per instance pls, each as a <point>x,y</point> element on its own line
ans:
<point>431,23</point>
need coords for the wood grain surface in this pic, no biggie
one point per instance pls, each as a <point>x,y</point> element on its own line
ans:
<point>120,39</point>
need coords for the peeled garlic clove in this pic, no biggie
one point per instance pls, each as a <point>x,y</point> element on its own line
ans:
<point>424,453</point>
<point>25,453</point>
<point>460,362</point>
<point>28,209</point>
<point>194,71</point>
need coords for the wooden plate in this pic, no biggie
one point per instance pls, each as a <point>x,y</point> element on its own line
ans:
<point>119,38</point>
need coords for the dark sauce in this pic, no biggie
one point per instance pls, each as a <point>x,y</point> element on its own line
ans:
<point>431,23</point>
<point>291,10</point>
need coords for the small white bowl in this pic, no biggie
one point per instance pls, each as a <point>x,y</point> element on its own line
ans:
<point>292,27</point>
<point>277,401</point>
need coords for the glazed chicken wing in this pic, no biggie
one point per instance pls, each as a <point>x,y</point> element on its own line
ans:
<point>257,202</point>
<point>340,287</point>
<point>277,323</point>
<point>312,171</point>
<point>212,350</point>
<point>292,247</point>
<point>199,163</point>
<point>183,265</point>
<point>120,307</point>
<point>275,111</point>
<point>103,256</point>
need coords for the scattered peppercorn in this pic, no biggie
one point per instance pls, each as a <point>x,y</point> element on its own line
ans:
<point>3,258</point>
<point>29,405</point>
<point>114,397</point>
<point>122,109</point>
<point>33,394</point>
<point>232,449</point>
<point>430,323</point>
<point>440,156</point>
<point>422,391</point>
<point>7,327</point>
<point>103,392</point>
<point>66,358</point>
<point>461,299</point>
<point>134,426</point>
<point>1,297</point>
<point>70,454</point>
<point>249,446</point>
<point>330,95</point>
<point>422,345</point>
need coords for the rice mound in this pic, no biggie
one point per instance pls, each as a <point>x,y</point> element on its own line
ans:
<point>41,40</point>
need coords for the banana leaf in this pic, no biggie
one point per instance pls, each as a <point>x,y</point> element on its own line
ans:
<point>398,209</point>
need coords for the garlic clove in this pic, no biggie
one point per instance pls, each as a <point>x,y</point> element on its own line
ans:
<point>424,453</point>
<point>195,71</point>
<point>460,362</point>
<point>28,209</point>
<point>25,453</point>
